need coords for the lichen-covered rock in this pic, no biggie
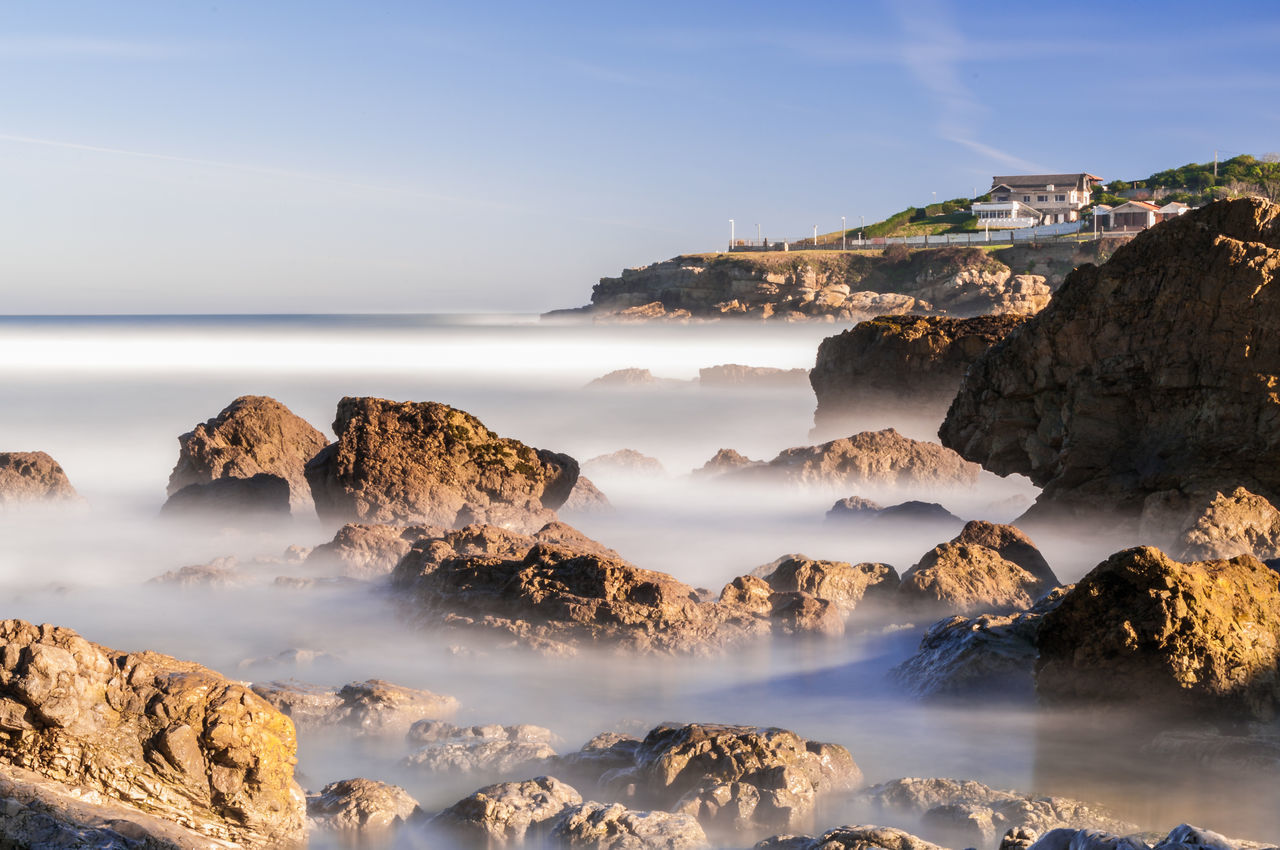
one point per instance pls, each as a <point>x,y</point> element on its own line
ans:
<point>612,826</point>
<point>840,583</point>
<point>428,463</point>
<point>361,809</point>
<point>251,436</point>
<point>1153,373</point>
<point>502,815</point>
<point>903,363</point>
<point>374,707</point>
<point>170,737</point>
<point>1142,628</point>
<point>367,551</point>
<point>33,477</point>
<point>962,578</point>
<point>558,589</point>
<point>968,813</point>
<point>990,655</point>
<point>626,461</point>
<point>859,837</point>
<point>1230,525</point>
<point>730,777</point>
<point>260,498</point>
<point>871,457</point>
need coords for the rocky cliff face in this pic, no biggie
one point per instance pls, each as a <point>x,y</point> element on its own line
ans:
<point>827,285</point>
<point>1152,376</point>
<point>171,738</point>
<point>904,363</point>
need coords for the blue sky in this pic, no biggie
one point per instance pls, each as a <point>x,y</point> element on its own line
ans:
<point>332,157</point>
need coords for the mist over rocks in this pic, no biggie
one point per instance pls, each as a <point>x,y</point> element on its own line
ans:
<point>872,457</point>
<point>1147,376</point>
<point>856,837</point>
<point>27,477</point>
<point>1199,639</point>
<point>253,435</point>
<point>428,463</point>
<point>172,738</point>
<point>627,461</point>
<point>986,567</point>
<point>736,375</point>
<point>912,364</point>
<point>374,707</point>
<point>725,460</point>
<point>586,498</point>
<point>363,812</point>
<point>365,551</point>
<point>257,500</point>
<point>842,584</point>
<point>491,749</point>
<point>856,511</point>
<point>1238,523</point>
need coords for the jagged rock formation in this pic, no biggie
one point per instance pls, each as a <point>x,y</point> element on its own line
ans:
<point>363,812</point>
<point>725,460</point>
<point>497,750</point>
<point>33,477</point>
<point>505,814</point>
<point>872,457</point>
<point>624,460</point>
<point>601,826</point>
<point>990,655</point>
<point>970,814</point>
<point>731,778</point>
<point>251,436</point>
<point>428,463</point>
<point>1144,629</point>
<point>842,584</point>
<point>1230,525</point>
<point>172,738</point>
<point>367,551</point>
<point>736,375</point>
<point>374,707</point>
<point>986,567</point>
<point>822,285</point>
<point>260,498</point>
<point>1150,377</point>
<point>907,364</point>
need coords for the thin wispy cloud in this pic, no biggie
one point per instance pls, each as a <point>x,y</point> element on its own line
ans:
<point>71,47</point>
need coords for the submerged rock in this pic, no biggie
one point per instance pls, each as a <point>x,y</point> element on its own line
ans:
<point>173,738</point>
<point>1150,374</point>
<point>253,435</point>
<point>1141,628</point>
<point>220,573</point>
<point>428,463</point>
<point>374,707</point>
<point>33,477</point>
<point>361,809</point>
<point>872,457</point>
<point>911,364</point>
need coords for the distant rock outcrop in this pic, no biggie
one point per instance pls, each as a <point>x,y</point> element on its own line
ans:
<point>624,378</point>
<point>1148,376</point>
<point>428,463</point>
<point>864,513</point>
<point>374,707</point>
<point>1143,629</point>
<point>725,460</point>
<point>736,375</point>
<point>33,477</point>
<point>907,364</point>
<point>627,461</point>
<point>873,457</point>
<point>169,737</point>
<point>251,436</point>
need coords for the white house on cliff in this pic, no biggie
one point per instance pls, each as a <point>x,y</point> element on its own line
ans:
<point>1029,199</point>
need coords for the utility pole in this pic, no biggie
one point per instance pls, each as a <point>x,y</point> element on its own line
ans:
<point>731,234</point>
<point>843,232</point>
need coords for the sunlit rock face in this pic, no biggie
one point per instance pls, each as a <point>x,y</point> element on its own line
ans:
<point>27,477</point>
<point>1153,374</point>
<point>251,436</point>
<point>1200,638</point>
<point>170,737</point>
<point>428,463</point>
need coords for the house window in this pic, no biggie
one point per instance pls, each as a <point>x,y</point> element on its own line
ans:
<point>1060,198</point>
<point>1041,198</point>
<point>1002,197</point>
<point>1026,199</point>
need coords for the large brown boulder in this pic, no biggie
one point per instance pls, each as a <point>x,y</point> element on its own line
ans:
<point>33,477</point>
<point>170,737</point>
<point>963,578</point>
<point>1141,628</point>
<point>424,462</point>
<point>367,551</point>
<point>1012,544</point>
<point>870,458</point>
<point>1151,374</point>
<point>903,363</point>
<point>838,582</point>
<point>251,436</point>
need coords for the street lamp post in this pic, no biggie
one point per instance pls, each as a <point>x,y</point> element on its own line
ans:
<point>815,237</point>
<point>759,241</point>
<point>843,233</point>
<point>731,235</point>
<point>862,219</point>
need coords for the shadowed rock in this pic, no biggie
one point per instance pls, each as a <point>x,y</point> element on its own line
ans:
<point>1144,629</point>
<point>261,498</point>
<point>860,837</point>
<point>33,477</point>
<point>915,514</point>
<point>170,737</point>
<point>253,435</point>
<point>428,463</point>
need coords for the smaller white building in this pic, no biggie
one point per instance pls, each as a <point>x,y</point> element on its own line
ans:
<point>1006,214</point>
<point>1173,209</point>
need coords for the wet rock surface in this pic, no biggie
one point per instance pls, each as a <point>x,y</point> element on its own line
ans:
<point>33,477</point>
<point>169,737</point>
<point>1151,374</point>
<point>871,457</point>
<point>253,435</point>
<point>904,363</point>
<point>362,809</point>
<point>1141,628</point>
<point>373,707</point>
<point>428,463</point>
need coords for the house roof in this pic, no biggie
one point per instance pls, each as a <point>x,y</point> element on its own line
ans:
<point>1174,205</point>
<point>1139,204</point>
<point>1039,181</point>
<point>1101,209</point>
